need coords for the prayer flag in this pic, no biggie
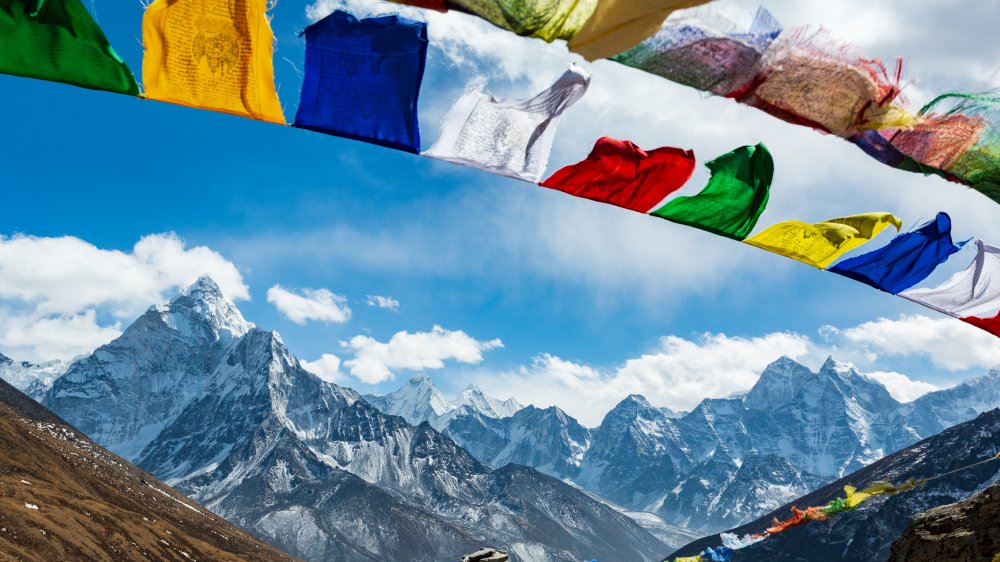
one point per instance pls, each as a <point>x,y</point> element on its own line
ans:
<point>734,198</point>
<point>907,260</point>
<point>211,54</point>
<point>974,291</point>
<point>58,40</point>
<point>622,174</point>
<point>618,25</point>
<point>545,19</point>
<point>820,244</point>
<point>363,78</point>
<point>508,137</point>
<point>705,52</point>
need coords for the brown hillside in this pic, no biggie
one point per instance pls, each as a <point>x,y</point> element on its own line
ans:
<point>63,497</point>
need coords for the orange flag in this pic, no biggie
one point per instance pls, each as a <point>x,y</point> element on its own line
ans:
<point>211,54</point>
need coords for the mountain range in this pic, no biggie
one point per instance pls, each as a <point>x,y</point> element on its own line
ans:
<point>219,409</point>
<point>727,461</point>
<point>63,497</point>
<point>867,533</point>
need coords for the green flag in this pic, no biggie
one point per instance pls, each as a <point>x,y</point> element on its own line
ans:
<point>58,40</point>
<point>734,198</point>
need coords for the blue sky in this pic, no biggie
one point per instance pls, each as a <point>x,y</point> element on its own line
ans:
<point>567,285</point>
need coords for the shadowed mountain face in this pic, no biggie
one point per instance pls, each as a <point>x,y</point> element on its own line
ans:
<point>221,410</point>
<point>867,533</point>
<point>967,531</point>
<point>63,497</point>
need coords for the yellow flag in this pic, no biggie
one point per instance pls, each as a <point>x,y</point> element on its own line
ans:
<point>618,25</point>
<point>854,497</point>
<point>211,54</point>
<point>820,244</point>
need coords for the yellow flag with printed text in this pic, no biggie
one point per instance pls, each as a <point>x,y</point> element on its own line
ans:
<point>820,244</point>
<point>211,54</point>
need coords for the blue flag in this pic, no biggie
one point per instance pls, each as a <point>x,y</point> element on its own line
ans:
<point>718,554</point>
<point>363,78</point>
<point>905,261</point>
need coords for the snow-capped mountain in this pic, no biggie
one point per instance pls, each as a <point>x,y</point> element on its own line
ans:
<point>730,459</point>
<point>548,440</point>
<point>124,393</point>
<point>31,379</point>
<point>867,533</point>
<point>222,411</point>
<point>419,400</point>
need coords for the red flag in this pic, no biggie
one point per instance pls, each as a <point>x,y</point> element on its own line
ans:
<point>991,325</point>
<point>622,174</point>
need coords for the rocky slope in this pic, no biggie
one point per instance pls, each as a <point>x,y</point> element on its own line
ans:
<point>220,409</point>
<point>967,531</point>
<point>866,534</point>
<point>63,497</point>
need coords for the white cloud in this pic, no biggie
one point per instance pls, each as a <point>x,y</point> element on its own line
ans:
<point>36,338</point>
<point>374,361</point>
<point>948,343</point>
<point>327,367</point>
<point>62,296</point>
<point>678,374</point>
<point>311,304</point>
<point>902,387</point>
<point>383,302</point>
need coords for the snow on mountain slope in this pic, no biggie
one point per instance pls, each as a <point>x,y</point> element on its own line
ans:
<point>31,379</point>
<point>549,440</point>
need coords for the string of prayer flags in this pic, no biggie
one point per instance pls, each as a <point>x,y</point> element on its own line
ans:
<point>620,173</point>
<point>618,25</point>
<point>820,244</point>
<point>211,54</point>
<point>851,500</point>
<point>58,40</point>
<point>907,260</point>
<point>711,56</point>
<point>362,79</point>
<point>734,198</point>
<point>508,137</point>
<point>544,19</point>
<point>974,291</point>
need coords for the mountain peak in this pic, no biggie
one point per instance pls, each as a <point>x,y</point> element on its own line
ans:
<point>205,285</point>
<point>203,304</point>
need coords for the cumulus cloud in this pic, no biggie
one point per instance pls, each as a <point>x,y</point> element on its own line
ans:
<point>383,302</point>
<point>62,296</point>
<point>327,367</point>
<point>374,361</point>
<point>679,373</point>
<point>902,387</point>
<point>946,342</point>
<point>321,305</point>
